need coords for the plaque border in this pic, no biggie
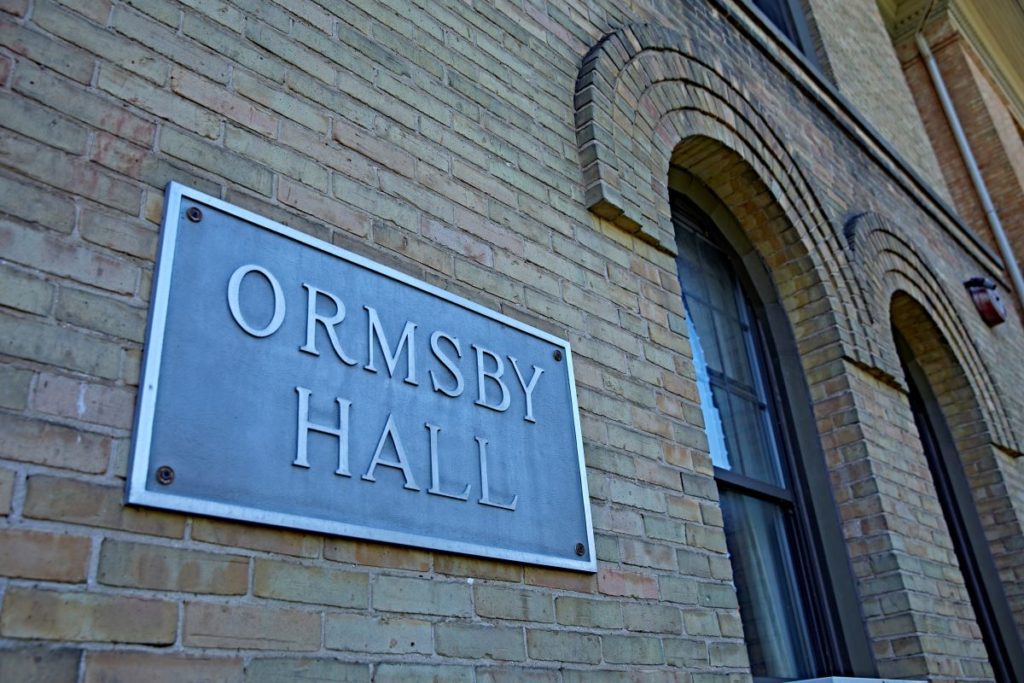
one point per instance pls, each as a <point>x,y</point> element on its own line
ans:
<point>142,433</point>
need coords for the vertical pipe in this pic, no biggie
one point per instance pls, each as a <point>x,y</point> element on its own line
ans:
<point>1009,260</point>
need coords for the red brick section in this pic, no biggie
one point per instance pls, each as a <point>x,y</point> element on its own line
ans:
<point>443,139</point>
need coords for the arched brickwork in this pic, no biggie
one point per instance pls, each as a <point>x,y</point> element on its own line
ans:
<point>885,262</point>
<point>641,92</point>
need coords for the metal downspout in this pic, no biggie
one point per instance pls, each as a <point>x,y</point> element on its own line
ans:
<point>1009,260</point>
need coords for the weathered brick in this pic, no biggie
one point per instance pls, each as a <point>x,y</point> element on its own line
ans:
<point>6,491</point>
<point>43,125</point>
<point>137,565</point>
<point>25,292</point>
<point>502,674</point>
<point>278,158</point>
<point>422,673</point>
<point>254,537</point>
<point>460,565</point>
<point>643,554</point>
<point>48,615</point>
<point>652,618</point>
<point>118,667</point>
<point>101,314</point>
<point>246,627</point>
<point>66,258</point>
<point>167,43</point>
<point>480,642</point>
<point>394,635</point>
<point>422,596</point>
<point>561,580</point>
<point>563,646</point>
<point>588,613</point>
<point>218,99</point>
<point>318,670</point>
<point>111,47</point>
<point>78,502</point>
<point>632,650</point>
<point>70,61</point>
<point>39,665</point>
<point>77,399</point>
<point>323,208</point>
<point>615,582</point>
<point>28,554</point>
<point>28,440</point>
<point>512,603</point>
<point>215,159</point>
<point>377,554</point>
<point>317,585</point>
<point>14,387</point>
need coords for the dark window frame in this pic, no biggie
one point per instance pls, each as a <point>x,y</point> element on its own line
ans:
<point>821,554</point>
<point>984,586</point>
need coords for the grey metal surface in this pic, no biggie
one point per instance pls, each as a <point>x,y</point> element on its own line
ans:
<point>261,415</point>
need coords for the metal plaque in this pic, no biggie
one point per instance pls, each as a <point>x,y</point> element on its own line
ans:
<point>290,382</point>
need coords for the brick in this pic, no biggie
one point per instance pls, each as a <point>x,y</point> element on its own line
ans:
<point>422,673</point>
<point>89,108</point>
<point>652,618</point>
<point>6,491</point>
<point>394,635</point>
<point>375,202</point>
<point>36,206</point>
<point>318,670</point>
<point>289,50</point>
<point>563,646</point>
<point>63,257</point>
<point>511,603</point>
<point>96,403</point>
<point>167,43</point>
<point>254,537</point>
<point>422,596</point>
<point>317,585</point>
<point>24,292</point>
<point>276,157</point>
<point>112,48</point>
<point>159,102</point>
<point>245,627</point>
<point>101,314</point>
<point>39,665</point>
<point>43,443</point>
<point>562,580</point>
<point>502,674</point>
<point>142,164</point>
<point>377,554</point>
<point>216,160</point>
<point>632,650</point>
<point>49,615</point>
<point>480,642</point>
<point>643,554</point>
<point>216,98</point>
<point>588,613</point>
<point>77,502</point>
<point>323,208</point>
<point>122,667</point>
<point>155,567</point>
<point>684,652</point>
<point>28,554</point>
<point>69,173</point>
<point>629,584</point>
<point>119,235</point>
<point>70,61</point>
<point>43,125</point>
<point>459,565</point>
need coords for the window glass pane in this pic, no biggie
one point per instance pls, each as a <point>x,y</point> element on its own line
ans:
<point>735,356</point>
<point>712,418</point>
<point>754,451</point>
<point>775,620</point>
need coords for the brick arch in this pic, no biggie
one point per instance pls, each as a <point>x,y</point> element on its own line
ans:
<point>884,263</point>
<point>645,102</point>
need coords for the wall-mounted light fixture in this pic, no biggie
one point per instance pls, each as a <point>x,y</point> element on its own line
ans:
<point>987,300</point>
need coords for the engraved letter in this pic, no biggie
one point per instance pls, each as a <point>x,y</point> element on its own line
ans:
<point>435,473</point>
<point>305,427</point>
<point>448,363</point>
<point>482,375</point>
<point>312,318</point>
<point>485,487</point>
<point>408,335</point>
<point>236,281</point>
<point>527,388</point>
<point>401,464</point>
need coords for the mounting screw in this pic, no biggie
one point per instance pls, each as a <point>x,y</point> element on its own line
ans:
<point>194,214</point>
<point>580,549</point>
<point>164,475</point>
<point>557,354</point>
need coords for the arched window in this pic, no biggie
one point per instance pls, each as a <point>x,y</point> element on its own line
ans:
<point>787,597</point>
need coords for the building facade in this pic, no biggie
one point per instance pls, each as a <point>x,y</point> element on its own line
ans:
<point>750,220</point>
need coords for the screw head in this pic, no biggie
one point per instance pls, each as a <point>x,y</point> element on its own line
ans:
<point>580,549</point>
<point>164,475</point>
<point>557,354</point>
<point>194,214</point>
